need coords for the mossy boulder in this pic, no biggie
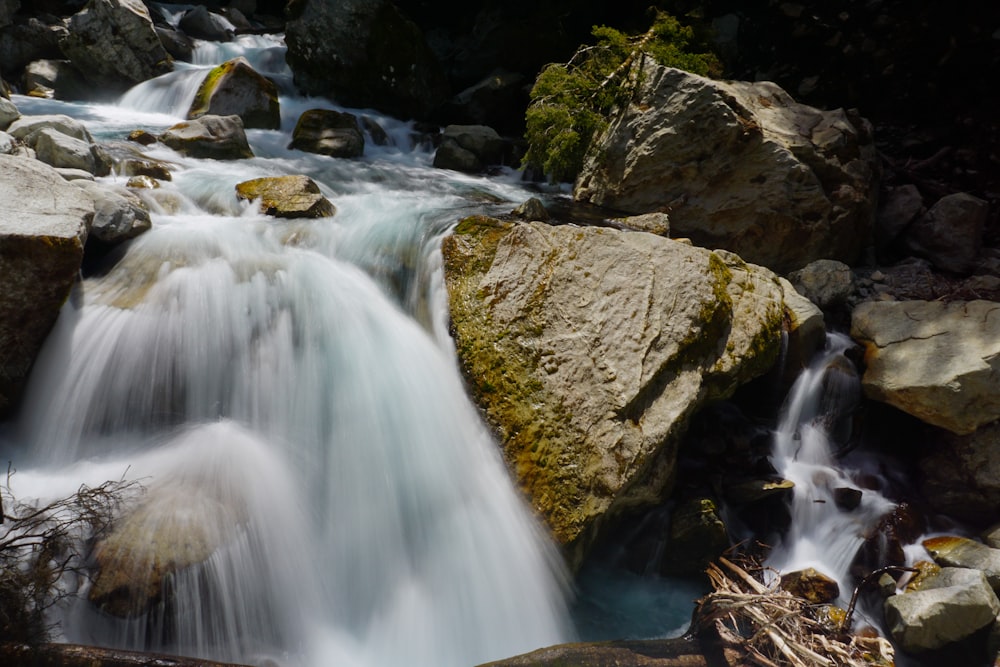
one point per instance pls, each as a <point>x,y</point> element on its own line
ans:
<point>234,87</point>
<point>287,196</point>
<point>588,349</point>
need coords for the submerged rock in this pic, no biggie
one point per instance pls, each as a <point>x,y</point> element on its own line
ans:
<point>939,362</point>
<point>739,166</point>
<point>287,197</point>
<point>42,235</point>
<point>234,87</point>
<point>588,349</point>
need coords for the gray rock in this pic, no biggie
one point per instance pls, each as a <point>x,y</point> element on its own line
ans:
<point>739,166</point>
<point>8,144</point>
<point>953,551</point>
<point>74,174</point>
<point>215,137</point>
<point>234,87</point>
<point>654,223</point>
<point>26,128</point>
<point>948,608</point>
<point>119,215</point>
<point>176,43</point>
<point>950,234</point>
<point>42,234</point>
<point>365,53</point>
<point>8,113</point>
<point>30,40</point>
<point>939,362</point>
<point>55,78</point>
<point>113,43</point>
<point>589,348</point>
<point>825,282</point>
<point>468,148</point>
<point>531,209</point>
<point>328,132</point>
<point>200,23</point>
<point>123,158</point>
<point>59,150</point>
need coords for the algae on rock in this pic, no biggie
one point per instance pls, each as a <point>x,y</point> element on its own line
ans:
<point>588,349</point>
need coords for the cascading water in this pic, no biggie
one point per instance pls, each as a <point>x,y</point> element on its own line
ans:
<point>822,534</point>
<point>269,384</point>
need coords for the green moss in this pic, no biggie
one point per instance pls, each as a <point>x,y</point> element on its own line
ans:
<point>202,98</point>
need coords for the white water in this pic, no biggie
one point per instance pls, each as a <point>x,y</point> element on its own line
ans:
<point>286,387</point>
<point>821,535</point>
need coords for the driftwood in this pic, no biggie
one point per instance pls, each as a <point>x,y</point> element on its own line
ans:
<point>771,627</point>
<point>72,655</point>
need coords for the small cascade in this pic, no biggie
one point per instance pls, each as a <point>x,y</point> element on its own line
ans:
<point>830,514</point>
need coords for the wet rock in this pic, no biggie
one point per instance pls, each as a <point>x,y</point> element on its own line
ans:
<point>740,166</point>
<point>531,209</point>
<point>142,183</point>
<point>124,159</point>
<point>119,215</point>
<point>948,608</point>
<point>59,150</point>
<point>811,585</point>
<point>42,234</point>
<point>958,347</point>
<point>846,498</point>
<point>328,132</point>
<point>200,23</point>
<point>468,148</point>
<point>953,551</point>
<point>950,234</point>
<point>825,282</point>
<point>235,88</point>
<point>365,53</point>
<point>697,537</point>
<point>287,197</point>
<point>654,223</point>
<point>589,349</point>
<point>113,44</point>
<point>142,137</point>
<point>176,43</point>
<point>215,137</point>
<point>375,132</point>
<point>753,490</point>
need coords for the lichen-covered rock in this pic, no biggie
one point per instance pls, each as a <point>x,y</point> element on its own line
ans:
<point>287,197</point>
<point>950,606</point>
<point>365,53</point>
<point>234,87</point>
<point>113,43</point>
<point>328,132</point>
<point>739,166</point>
<point>589,348</point>
<point>216,137</point>
<point>939,362</point>
<point>42,235</point>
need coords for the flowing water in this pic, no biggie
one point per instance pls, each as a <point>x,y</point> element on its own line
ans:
<point>823,534</point>
<point>285,392</point>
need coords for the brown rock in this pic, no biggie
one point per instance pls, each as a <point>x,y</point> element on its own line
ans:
<point>811,585</point>
<point>287,197</point>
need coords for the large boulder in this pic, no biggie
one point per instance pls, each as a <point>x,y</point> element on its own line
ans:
<point>365,53</point>
<point>328,132</point>
<point>960,474</point>
<point>30,39</point>
<point>954,551</point>
<point>42,235</point>
<point>55,78</point>
<point>63,151</point>
<point>469,148</point>
<point>28,128</point>
<point>739,166</point>
<point>200,23</point>
<point>113,43</point>
<point>234,87</point>
<point>950,234</point>
<point>119,215</point>
<point>215,137</point>
<point>287,196</point>
<point>947,608</point>
<point>589,348</point>
<point>937,361</point>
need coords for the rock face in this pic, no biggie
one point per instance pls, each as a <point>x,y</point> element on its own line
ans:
<point>113,43</point>
<point>364,53</point>
<point>235,88</point>
<point>287,197</point>
<point>589,348</point>
<point>948,607</point>
<point>217,137</point>
<point>42,234</point>
<point>940,362</point>
<point>739,166</point>
<point>328,132</point>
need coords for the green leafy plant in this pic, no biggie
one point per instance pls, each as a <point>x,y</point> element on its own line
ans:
<point>571,103</point>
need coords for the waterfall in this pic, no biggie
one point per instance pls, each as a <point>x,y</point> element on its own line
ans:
<point>284,392</point>
<point>813,422</point>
